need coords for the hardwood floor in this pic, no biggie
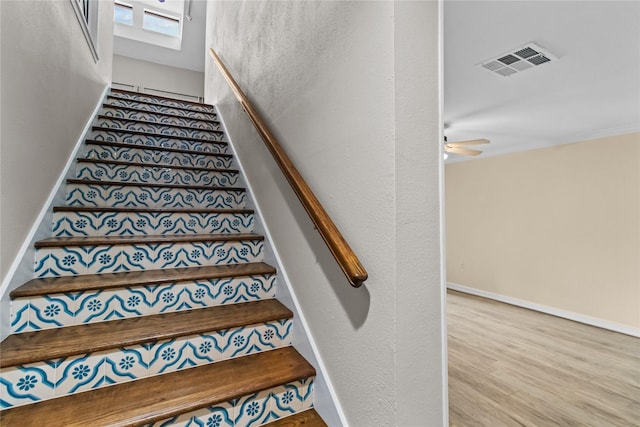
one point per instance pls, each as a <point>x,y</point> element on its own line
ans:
<point>510,366</point>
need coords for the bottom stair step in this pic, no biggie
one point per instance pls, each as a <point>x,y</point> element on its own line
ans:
<point>248,391</point>
<point>308,418</point>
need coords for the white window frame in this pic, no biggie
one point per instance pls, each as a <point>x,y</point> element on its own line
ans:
<point>126,6</point>
<point>161,15</point>
<point>88,22</point>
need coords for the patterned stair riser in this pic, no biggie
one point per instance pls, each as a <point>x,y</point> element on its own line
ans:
<point>44,380</point>
<point>122,196</point>
<point>125,137</point>
<point>154,174</point>
<point>145,155</point>
<point>75,260</point>
<point>162,101</point>
<point>76,308</point>
<point>147,161</point>
<point>160,119</point>
<point>156,108</point>
<point>114,123</point>
<point>253,410</point>
<point>148,223</point>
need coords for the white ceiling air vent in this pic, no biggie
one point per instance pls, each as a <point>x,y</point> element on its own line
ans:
<point>519,60</point>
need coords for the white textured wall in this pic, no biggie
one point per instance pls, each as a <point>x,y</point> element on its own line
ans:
<point>558,227</point>
<point>351,90</point>
<point>50,86</point>
<point>151,75</point>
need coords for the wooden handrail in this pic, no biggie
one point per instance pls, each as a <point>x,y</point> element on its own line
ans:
<point>342,252</point>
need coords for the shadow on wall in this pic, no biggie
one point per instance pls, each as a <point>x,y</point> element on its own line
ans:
<point>354,301</point>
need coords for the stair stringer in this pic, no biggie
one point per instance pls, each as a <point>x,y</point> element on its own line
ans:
<point>21,270</point>
<point>326,401</point>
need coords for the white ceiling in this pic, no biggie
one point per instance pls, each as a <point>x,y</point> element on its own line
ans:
<point>591,90</point>
<point>191,56</point>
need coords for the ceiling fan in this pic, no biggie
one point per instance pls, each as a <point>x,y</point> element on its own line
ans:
<point>458,147</point>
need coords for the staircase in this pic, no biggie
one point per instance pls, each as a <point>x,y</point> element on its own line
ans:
<point>151,304</point>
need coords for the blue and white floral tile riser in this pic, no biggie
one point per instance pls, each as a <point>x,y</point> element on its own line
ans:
<point>154,174</point>
<point>250,411</point>
<point>134,154</point>
<point>157,108</point>
<point>150,196</point>
<point>22,385</point>
<point>116,123</point>
<point>159,141</point>
<point>158,118</point>
<point>77,308</point>
<point>75,260</point>
<point>101,223</point>
<point>164,102</point>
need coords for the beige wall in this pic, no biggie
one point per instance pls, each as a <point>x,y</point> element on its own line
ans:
<point>354,99</point>
<point>50,87</point>
<point>150,75</point>
<point>557,226</point>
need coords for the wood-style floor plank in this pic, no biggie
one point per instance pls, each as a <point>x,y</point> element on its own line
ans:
<point>49,344</point>
<point>509,366</point>
<point>164,396</point>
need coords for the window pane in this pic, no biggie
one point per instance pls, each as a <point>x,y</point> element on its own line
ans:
<point>161,24</point>
<point>123,14</point>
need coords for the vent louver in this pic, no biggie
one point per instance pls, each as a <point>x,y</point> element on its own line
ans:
<point>519,60</point>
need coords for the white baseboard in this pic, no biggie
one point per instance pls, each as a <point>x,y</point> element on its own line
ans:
<point>592,321</point>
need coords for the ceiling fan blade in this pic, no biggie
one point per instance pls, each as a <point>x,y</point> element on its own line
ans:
<point>464,151</point>
<point>469,142</point>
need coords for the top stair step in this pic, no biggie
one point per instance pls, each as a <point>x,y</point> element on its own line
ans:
<point>161,100</point>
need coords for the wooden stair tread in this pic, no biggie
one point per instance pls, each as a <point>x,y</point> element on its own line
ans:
<point>149,210</point>
<point>308,418</point>
<point>148,95</point>
<point>50,344</point>
<point>156,148</point>
<point>49,285</point>
<point>157,113</point>
<point>54,242</point>
<point>139,101</point>
<point>162,135</point>
<point>153,184</point>
<point>126,119</point>
<point>156,398</point>
<point>154,165</point>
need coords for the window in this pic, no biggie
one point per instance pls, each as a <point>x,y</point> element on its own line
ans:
<point>154,21</point>
<point>87,14</point>
<point>123,13</point>
<point>150,21</point>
